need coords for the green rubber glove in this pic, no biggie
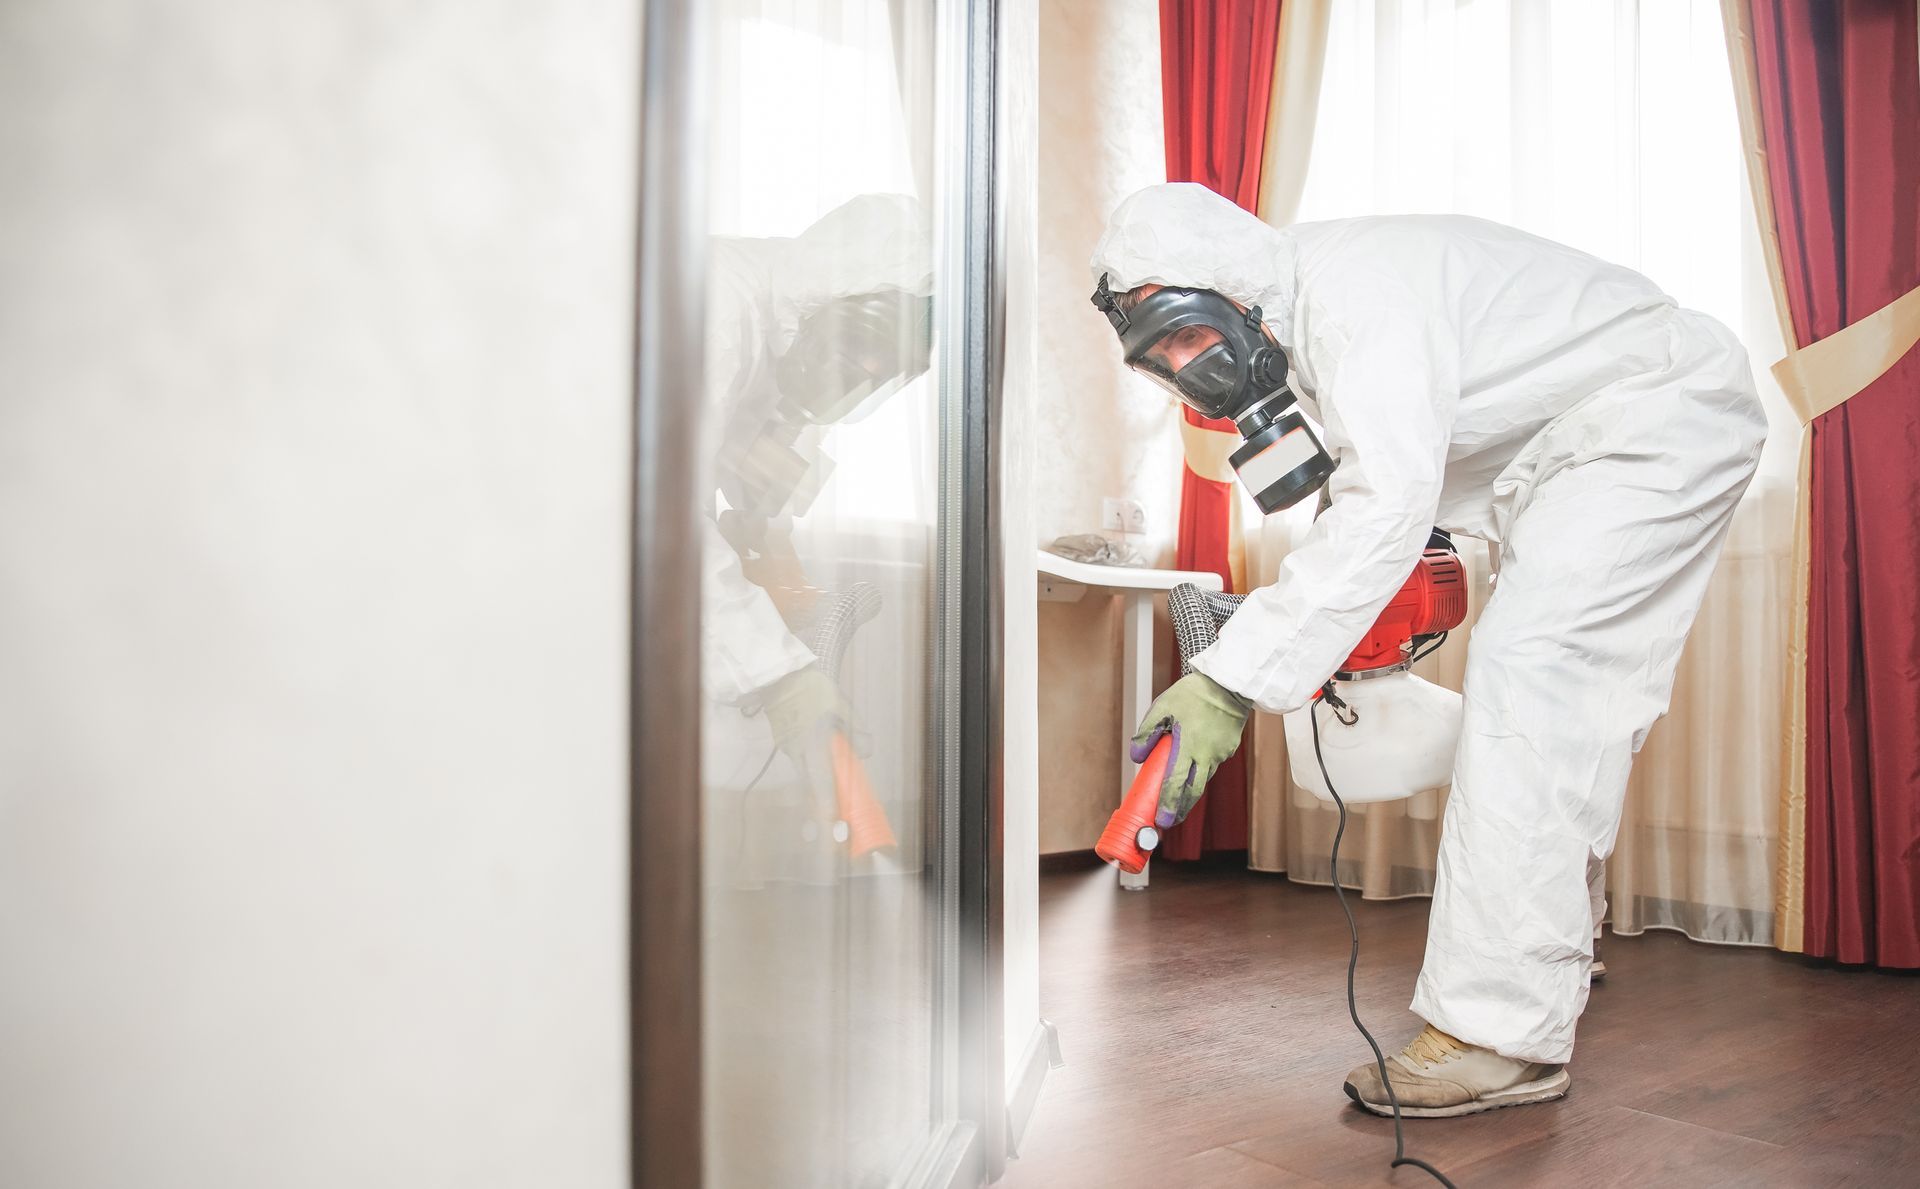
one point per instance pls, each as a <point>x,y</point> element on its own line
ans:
<point>1206,720</point>
<point>802,707</point>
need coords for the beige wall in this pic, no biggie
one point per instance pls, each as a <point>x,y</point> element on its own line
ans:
<point>313,550</point>
<point>1100,431</point>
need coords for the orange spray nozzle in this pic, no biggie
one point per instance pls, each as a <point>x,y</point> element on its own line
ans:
<point>867,826</point>
<point>1130,835</point>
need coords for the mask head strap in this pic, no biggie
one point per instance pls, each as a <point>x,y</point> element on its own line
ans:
<point>1108,304</point>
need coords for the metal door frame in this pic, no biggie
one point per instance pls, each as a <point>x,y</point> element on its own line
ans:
<point>980,597</point>
<point>663,675</point>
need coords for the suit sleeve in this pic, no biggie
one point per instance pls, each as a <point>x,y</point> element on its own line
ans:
<point>745,645</point>
<point>1389,389</point>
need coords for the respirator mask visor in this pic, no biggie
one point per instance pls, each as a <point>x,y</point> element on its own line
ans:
<point>1219,361</point>
<point>1195,363</point>
<point>852,353</point>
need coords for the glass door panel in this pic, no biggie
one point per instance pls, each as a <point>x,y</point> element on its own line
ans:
<point>828,910</point>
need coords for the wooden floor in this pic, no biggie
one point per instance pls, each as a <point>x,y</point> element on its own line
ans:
<point>1205,1033</point>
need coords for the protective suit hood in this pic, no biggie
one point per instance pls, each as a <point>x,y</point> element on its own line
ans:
<point>1183,234</point>
<point>866,244</point>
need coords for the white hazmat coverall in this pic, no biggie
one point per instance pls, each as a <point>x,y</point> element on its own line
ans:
<point>1474,377</point>
<point>758,292</point>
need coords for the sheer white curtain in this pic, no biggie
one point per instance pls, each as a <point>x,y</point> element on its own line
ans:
<point>1610,127</point>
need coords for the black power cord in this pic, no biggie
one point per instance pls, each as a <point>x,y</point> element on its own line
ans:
<point>740,848</point>
<point>1429,646</point>
<point>1400,1156</point>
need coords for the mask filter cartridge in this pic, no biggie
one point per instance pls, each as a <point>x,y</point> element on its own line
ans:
<point>1282,462</point>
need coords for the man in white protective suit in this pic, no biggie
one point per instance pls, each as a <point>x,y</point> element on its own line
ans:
<point>802,334</point>
<point>1471,377</point>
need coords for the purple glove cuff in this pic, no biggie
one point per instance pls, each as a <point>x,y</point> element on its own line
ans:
<point>1141,749</point>
<point>1165,819</point>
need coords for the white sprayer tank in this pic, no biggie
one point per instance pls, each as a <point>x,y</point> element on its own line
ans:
<point>1402,742</point>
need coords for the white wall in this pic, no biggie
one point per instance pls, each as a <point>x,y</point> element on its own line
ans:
<point>313,417</point>
<point>1099,430</point>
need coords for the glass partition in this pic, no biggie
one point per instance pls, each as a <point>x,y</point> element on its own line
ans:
<point>826,785</point>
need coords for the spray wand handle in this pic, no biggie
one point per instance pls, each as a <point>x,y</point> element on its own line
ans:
<point>1131,836</point>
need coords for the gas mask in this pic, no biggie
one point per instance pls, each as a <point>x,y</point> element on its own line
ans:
<point>1220,363</point>
<point>846,359</point>
<point>851,354</point>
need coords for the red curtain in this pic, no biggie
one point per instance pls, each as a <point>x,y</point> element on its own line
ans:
<point>1216,83</point>
<point>1839,91</point>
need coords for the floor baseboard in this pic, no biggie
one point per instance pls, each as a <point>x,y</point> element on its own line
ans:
<point>1042,1053</point>
<point>1064,861</point>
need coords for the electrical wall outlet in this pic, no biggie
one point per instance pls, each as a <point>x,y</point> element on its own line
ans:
<point>1122,516</point>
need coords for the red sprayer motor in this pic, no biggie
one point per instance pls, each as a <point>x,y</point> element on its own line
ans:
<point>1432,601</point>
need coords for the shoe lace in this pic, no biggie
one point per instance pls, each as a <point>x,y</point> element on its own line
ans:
<point>1432,1047</point>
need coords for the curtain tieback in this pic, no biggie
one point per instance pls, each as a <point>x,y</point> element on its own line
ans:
<point>1207,450</point>
<point>1822,376</point>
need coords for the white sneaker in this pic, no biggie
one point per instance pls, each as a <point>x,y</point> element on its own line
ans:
<point>1438,1077</point>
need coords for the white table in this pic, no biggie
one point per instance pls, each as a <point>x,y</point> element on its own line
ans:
<point>1064,581</point>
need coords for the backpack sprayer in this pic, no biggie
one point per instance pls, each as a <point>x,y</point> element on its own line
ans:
<point>1397,735</point>
<point>1410,725</point>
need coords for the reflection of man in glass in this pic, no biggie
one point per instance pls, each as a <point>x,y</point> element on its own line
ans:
<point>803,333</point>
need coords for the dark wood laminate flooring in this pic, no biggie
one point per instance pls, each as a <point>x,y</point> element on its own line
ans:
<point>1205,1034</point>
